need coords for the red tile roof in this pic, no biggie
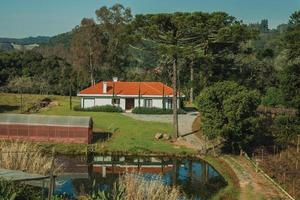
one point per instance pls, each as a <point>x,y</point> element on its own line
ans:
<point>129,88</point>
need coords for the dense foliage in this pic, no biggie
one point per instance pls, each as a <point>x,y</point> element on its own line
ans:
<point>153,110</point>
<point>106,108</point>
<point>228,110</point>
<point>228,63</point>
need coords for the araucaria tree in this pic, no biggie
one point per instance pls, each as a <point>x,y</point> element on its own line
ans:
<point>171,33</point>
<point>228,111</point>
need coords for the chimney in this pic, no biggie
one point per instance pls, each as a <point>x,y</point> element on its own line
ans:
<point>115,79</point>
<point>104,87</point>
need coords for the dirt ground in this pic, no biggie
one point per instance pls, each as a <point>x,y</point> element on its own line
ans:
<point>253,185</point>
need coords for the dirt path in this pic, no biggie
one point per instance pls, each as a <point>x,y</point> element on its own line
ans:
<point>253,185</point>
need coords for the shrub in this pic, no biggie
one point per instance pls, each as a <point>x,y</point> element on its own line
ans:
<point>11,190</point>
<point>154,110</point>
<point>106,108</point>
<point>273,97</point>
<point>228,110</point>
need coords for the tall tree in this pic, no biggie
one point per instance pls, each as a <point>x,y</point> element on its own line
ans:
<point>292,36</point>
<point>88,47</point>
<point>171,32</point>
<point>114,23</point>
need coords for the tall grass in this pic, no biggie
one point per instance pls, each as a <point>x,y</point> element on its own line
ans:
<point>25,156</point>
<point>137,187</point>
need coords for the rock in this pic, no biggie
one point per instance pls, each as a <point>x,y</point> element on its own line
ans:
<point>180,139</point>
<point>158,136</point>
<point>166,136</point>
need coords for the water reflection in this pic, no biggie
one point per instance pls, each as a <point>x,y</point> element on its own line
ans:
<point>195,177</point>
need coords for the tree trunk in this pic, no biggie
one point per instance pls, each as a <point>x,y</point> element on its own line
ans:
<point>175,116</point>
<point>192,81</point>
<point>91,64</point>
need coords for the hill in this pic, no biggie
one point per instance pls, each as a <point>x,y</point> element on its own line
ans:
<point>26,41</point>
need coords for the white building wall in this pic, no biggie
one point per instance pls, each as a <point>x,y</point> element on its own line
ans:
<point>136,102</point>
<point>88,102</point>
<point>102,101</point>
<point>96,101</point>
<point>157,103</point>
<point>122,103</point>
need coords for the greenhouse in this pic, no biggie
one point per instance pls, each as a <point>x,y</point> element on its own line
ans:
<point>70,129</point>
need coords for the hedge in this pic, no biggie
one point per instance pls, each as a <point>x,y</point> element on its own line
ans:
<point>106,108</point>
<point>154,110</point>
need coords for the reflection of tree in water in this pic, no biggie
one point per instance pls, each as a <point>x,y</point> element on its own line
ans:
<point>95,182</point>
<point>195,178</point>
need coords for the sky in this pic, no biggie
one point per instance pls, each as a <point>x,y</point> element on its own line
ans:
<point>23,18</point>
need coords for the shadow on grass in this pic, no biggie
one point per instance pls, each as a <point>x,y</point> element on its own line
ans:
<point>8,108</point>
<point>101,136</point>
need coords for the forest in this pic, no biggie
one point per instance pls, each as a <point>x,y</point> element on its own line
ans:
<point>212,56</point>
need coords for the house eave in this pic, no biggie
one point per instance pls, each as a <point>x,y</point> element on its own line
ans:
<point>122,95</point>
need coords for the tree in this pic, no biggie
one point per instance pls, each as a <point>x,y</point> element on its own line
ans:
<point>285,129</point>
<point>170,33</point>
<point>114,23</point>
<point>21,85</point>
<point>88,48</point>
<point>228,111</point>
<point>289,83</point>
<point>291,38</point>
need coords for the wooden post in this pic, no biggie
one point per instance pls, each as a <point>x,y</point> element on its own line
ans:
<point>70,93</point>
<point>298,143</point>
<point>52,178</point>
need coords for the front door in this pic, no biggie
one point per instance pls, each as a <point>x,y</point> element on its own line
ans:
<point>129,103</point>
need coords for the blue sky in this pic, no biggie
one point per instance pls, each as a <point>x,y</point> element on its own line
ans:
<point>22,18</point>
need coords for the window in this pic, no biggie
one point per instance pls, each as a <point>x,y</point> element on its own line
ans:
<point>169,104</point>
<point>148,103</point>
<point>115,101</point>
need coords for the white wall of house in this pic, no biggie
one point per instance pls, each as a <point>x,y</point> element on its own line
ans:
<point>87,102</point>
<point>122,103</point>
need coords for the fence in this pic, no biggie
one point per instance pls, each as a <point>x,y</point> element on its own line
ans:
<point>280,167</point>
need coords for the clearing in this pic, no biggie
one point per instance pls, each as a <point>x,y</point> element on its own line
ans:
<point>127,134</point>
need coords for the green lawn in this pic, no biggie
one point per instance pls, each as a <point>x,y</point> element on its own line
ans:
<point>129,135</point>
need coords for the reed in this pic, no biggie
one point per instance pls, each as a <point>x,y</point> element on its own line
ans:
<point>25,156</point>
<point>137,187</point>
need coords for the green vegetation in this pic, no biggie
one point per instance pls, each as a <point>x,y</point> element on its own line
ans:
<point>231,191</point>
<point>229,111</point>
<point>106,108</point>
<point>158,111</point>
<point>128,135</point>
<point>14,191</point>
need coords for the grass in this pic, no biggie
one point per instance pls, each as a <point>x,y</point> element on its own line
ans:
<point>134,186</point>
<point>128,135</point>
<point>10,103</point>
<point>231,191</point>
<point>15,156</point>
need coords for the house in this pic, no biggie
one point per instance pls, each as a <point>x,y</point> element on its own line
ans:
<point>127,95</point>
<point>62,129</point>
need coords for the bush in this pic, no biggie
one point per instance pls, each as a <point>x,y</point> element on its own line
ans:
<point>273,97</point>
<point>106,108</point>
<point>154,110</point>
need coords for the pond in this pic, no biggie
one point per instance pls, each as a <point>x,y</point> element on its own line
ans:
<point>195,177</point>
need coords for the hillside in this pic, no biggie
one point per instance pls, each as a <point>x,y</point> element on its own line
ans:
<point>26,41</point>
